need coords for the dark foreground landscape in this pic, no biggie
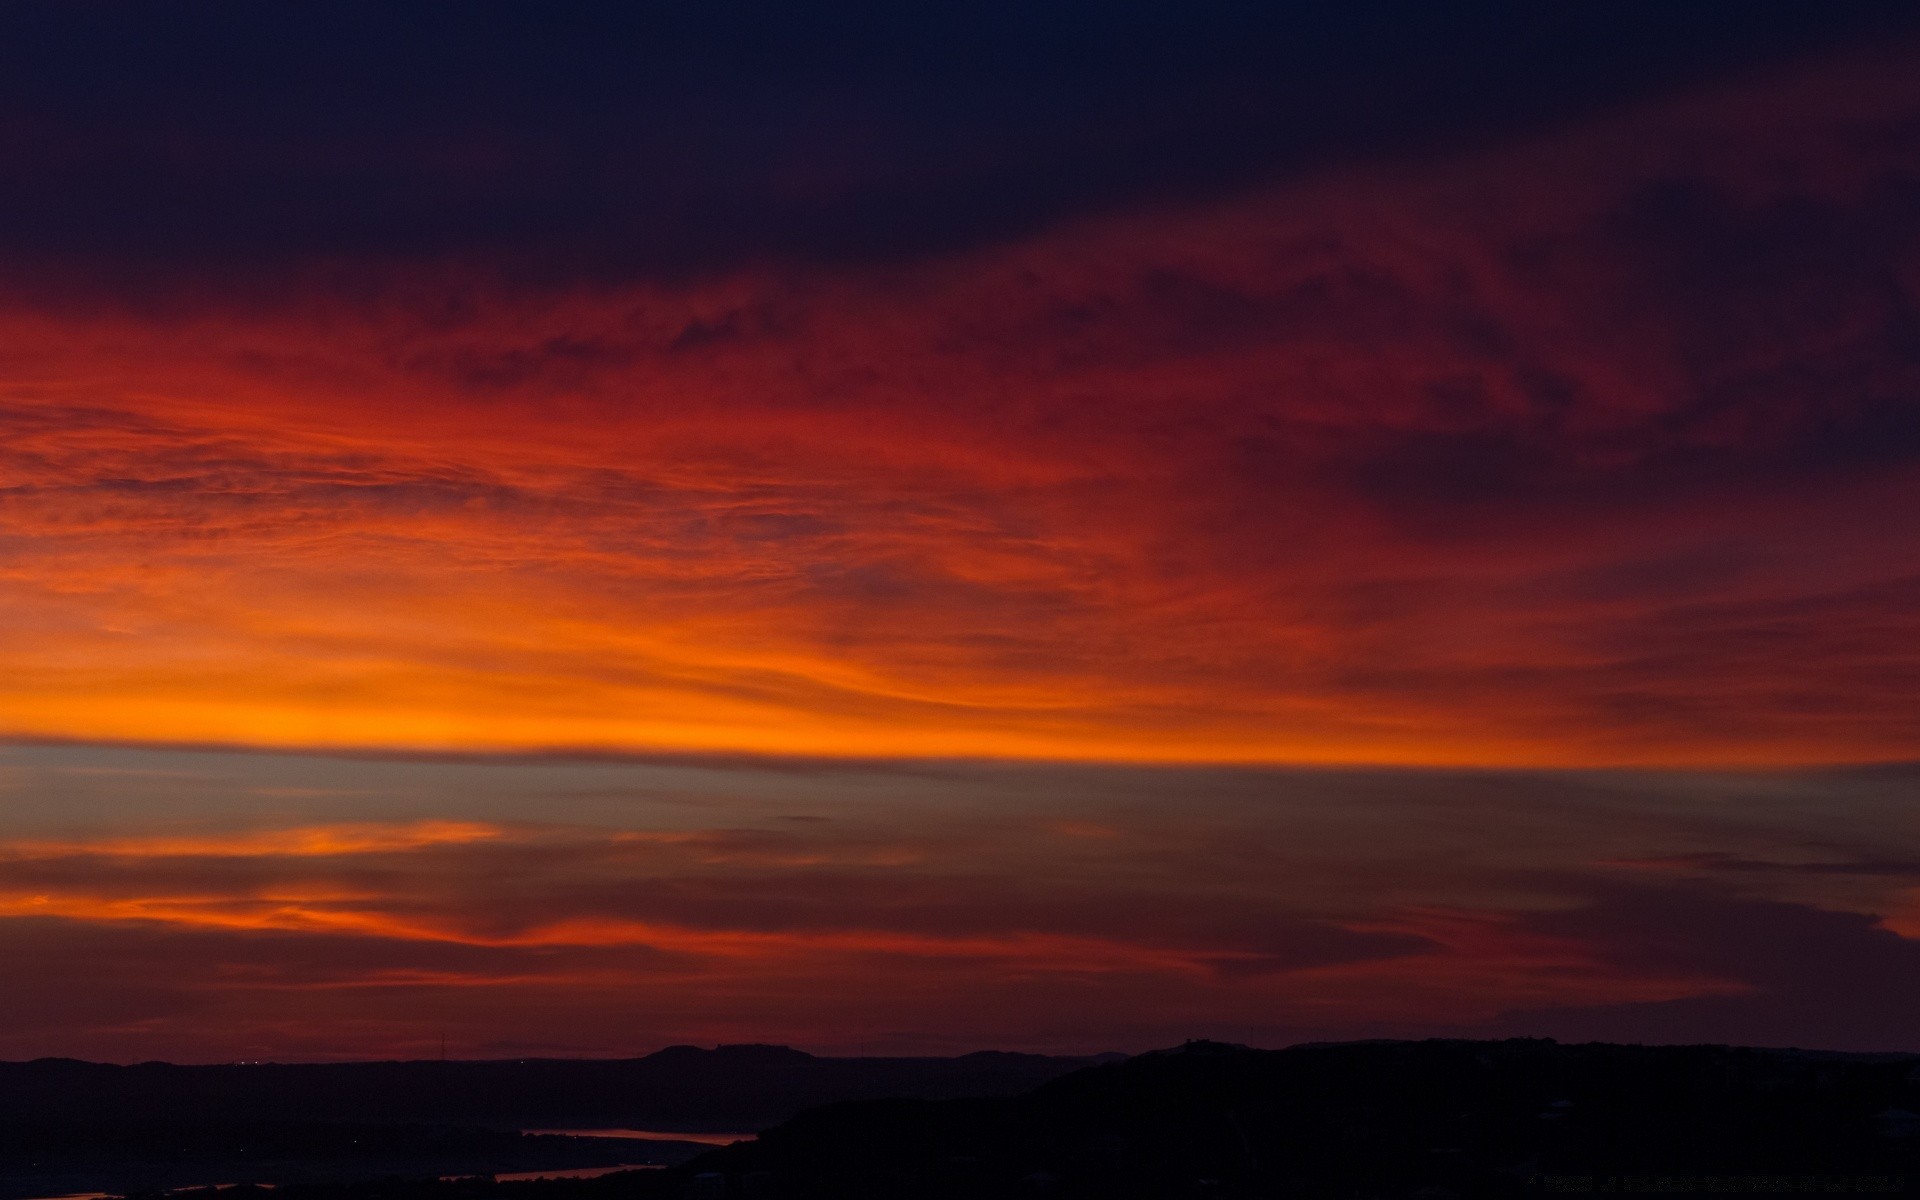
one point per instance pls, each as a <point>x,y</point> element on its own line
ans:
<point>76,1127</point>
<point>1426,1119</point>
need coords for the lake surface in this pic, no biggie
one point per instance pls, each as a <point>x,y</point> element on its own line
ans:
<point>653,1135</point>
<point>576,1173</point>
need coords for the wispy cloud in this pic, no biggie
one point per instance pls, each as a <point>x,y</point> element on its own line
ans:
<point>1554,453</point>
<point>1270,905</point>
<point>311,841</point>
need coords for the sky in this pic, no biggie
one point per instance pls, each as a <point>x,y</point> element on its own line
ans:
<point>918,528</point>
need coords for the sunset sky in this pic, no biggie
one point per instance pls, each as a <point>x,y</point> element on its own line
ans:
<point>575,527</point>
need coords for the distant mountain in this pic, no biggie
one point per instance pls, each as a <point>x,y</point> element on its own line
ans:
<point>1382,1120</point>
<point>69,1126</point>
<point>1371,1119</point>
<point>681,1087</point>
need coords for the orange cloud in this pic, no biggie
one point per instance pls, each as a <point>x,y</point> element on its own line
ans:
<point>313,841</point>
<point>395,906</point>
<point>1429,465</point>
<point>960,908</point>
<point>362,916</point>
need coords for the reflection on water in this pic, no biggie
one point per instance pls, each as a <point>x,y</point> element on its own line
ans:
<point>576,1173</point>
<point>652,1135</point>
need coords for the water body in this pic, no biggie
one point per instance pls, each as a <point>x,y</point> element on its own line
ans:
<point>576,1173</point>
<point>651,1135</point>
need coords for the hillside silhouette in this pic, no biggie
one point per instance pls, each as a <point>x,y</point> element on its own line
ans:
<point>1382,1119</point>
<point>69,1126</point>
<point>1385,1120</point>
<point>740,1087</point>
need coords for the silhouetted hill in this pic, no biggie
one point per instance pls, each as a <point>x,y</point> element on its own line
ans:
<point>1385,1120</point>
<point>680,1087</point>
<point>69,1126</point>
<point>1381,1119</point>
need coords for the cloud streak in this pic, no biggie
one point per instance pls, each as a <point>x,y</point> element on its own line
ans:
<point>941,911</point>
<point>898,556</point>
<point>313,841</point>
<point>1436,463</point>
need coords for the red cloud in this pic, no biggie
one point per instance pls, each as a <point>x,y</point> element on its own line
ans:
<point>1594,451</point>
<point>383,919</point>
<point>932,909</point>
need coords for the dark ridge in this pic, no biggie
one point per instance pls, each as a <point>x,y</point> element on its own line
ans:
<point>68,1126</point>
<point>1385,1120</point>
<point>728,1088</point>
<point>1431,1119</point>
